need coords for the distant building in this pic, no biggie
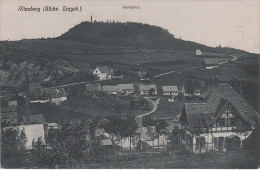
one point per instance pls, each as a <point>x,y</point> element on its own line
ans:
<point>103,73</point>
<point>209,63</point>
<point>219,124</point>
<point>93,88</point>
<point>112,89</point>
<point>146,90</point>
<point>170,90</point>
<point>57,95</point>
<point>34,119</point>
<point>196,92</point>
<point>198,52</point>
<point>125,89</point>
<point>37,93</point>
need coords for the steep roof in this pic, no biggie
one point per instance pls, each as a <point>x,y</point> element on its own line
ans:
<point>199,114</point>
<point>126,86</point>
<point>114,88</point>
<point>147,87</point>
<point>227,92</point>
<point>93,87</point>
<point>169,88</point>
<point>55,93</point>
<point>104,69</point>
<point>36,89</point>
<point>36,119</point>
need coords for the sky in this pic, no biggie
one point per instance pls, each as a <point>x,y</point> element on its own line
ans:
<point>232,23</point>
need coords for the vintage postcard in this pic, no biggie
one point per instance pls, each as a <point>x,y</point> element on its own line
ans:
<point>129,84</point>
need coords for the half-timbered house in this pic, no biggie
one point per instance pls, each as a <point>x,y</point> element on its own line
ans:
<point>219,124</point>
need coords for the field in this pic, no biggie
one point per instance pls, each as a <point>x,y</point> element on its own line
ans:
<point>85,106</point>
<point>216,160</point>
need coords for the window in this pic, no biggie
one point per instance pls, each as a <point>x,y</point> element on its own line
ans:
<point>197,144</point>
<point>221,122</point>
<point>202,142</point>
<point>233,122</point>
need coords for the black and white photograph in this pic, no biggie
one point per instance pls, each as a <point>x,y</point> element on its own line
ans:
<point>129,84</point>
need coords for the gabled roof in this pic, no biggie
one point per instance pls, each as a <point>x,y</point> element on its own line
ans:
<point>147,87</point>
<point>104,69</point>
<point>55,93</point>
<point>114,88</point>
<point>36,119</point>
<point>169,88</point>
<point>93,87</point>
<point>201,113</point>
<point>126,86</point>
<point>36,89</point>
<point>227,92</point>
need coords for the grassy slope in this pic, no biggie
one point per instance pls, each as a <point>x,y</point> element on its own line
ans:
<point>217,160</point>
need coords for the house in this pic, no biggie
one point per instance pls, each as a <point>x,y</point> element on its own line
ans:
<point>37,93</point>
<point>112,89</point>
<point>184,92</point>
<point>126,88</point>
<point>170,90</point>
<point>103,73</point>
<point>32,132</point>
<point>198,52</point>
<point>9,115</point>
<point>221,123</point>
<point>146,90</point>
<point>57,95</point>
<point>34,119</point>
<point>209,63</point>
<point>196,92</point>
<point>119,89</point>
<point>93,88</point>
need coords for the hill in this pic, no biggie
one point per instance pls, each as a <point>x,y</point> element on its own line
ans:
<point>136,35</point>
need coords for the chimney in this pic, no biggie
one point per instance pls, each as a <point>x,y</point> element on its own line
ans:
<point>216,81</point>
<point>91,19</point>
<point>235,83</point>
<point>27,100</point>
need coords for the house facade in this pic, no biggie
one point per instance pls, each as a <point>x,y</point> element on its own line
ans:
<point>198,52</point>
<point>210,63</point>
<point>37,93</point>
<point>57,95</point>
<point>146,90</point>
<point>103,73</point>
<point>170,91</point>
<point>220,124</point>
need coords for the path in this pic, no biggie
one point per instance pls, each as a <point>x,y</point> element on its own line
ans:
<point>173,71</point>
<point>155,106</point>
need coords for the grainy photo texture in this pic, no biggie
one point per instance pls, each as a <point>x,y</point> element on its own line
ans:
<point>129,84</point>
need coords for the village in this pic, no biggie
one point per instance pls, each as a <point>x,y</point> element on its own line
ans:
<point>203,120</point>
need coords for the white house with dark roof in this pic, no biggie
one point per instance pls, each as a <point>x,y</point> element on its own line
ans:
<point>126,88</point>
<point>198,52</point>
<point>57,95</point>
<point>103,73</point>
<point>37,93</point>
<point>119,89</point>
<point>146,90</point>
<point>170,90</point>
<point>219,124</point>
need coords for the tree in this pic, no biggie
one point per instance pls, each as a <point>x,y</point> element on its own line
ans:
<point>131,127</point>
<point>189,87</point>
<point>160,128</point>
<point>173,137</point>
<point>148,121</point>
<point>13,144</point>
